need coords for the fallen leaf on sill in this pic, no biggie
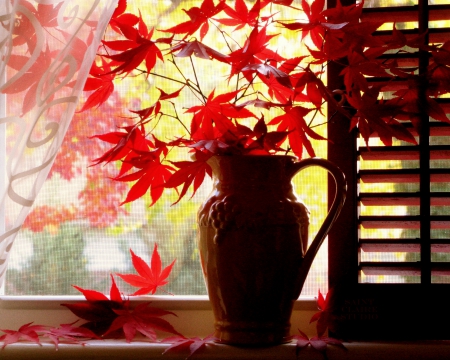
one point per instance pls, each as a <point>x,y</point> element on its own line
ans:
<point>192,345</point>
<point>114,317</point>
<point>27,332</point>
<point>317,343</point>
<point>68,333</point>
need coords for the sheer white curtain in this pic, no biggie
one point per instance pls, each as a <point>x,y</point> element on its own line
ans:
<point>46,50</point>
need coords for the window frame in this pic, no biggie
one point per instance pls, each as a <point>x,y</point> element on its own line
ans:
<point>16,312</point>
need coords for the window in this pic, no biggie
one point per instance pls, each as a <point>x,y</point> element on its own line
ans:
<point>368,305</point>
<point>389,262</point>
<point>89,236</point>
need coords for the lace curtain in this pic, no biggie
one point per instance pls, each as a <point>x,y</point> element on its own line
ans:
<point>46,50</point>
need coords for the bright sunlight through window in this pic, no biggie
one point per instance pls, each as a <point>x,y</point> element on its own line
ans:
<point>78,234</point>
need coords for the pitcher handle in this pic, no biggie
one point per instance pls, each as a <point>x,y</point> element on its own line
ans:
<point>338,202</point>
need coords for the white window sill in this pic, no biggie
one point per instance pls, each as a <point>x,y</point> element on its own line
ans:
<point>194,318</point>
<point>118,350</point>
<point>193,314</point>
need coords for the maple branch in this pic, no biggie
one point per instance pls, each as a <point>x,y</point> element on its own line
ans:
<point>196,79</point>
<point>195,88</point>
<point>250,83</point>
<point>223,33</point>
<point>296,88</point>
<point>165,77</point>
<point>313,117</point>
<point>178,118</point>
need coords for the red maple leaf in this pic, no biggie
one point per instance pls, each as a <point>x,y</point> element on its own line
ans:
<point>268,140</point>
<point>143,319</point>
<point>198,49</point>
<point>283,2</point>
<point>360,37</point>
<point>138,152</point>
<point>214,146</point>
<point>254,51</point>
<point>151,277</point>
<point>324,316</point>
<point>114,317</point>
<point>411,106</point>
<point>377,116</point>
<point>98,310</point>
<point>215,114</point>
<point>127,144</point>
<point>359,66</point>
<point>199,17</point>
<point>190,172</point>
<point>26,332</point>
<point>101,83</point>
<point>47,15</point>
<point>318,343</point>
<point>314,27</point>
<point>68,333</point>
<point>120,17</point>
<point>241,15</point>
<point>281,92</point>
<point>293,121</point>
<point>268,70</point>
<point>24,31</point>
<point>120,8</point>
<point>192,345</point>
<point>30,79</point>
<point>256,141</point>
<point>344,14</point>
<point>151,176</point>
<point>137,47</point>
<point>156,107</point>
<point>33,333</point>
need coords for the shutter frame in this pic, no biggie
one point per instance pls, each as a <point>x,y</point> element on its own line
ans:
<point>364,311</point>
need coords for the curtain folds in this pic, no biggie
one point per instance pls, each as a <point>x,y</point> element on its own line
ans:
<point>46,50</point>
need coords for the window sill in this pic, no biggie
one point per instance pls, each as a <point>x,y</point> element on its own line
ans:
<point>118,350</point>
<point>193,313</point>
<point>194,318</point>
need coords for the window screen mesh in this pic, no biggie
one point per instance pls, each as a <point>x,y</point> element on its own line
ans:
<point>49,261</point>
<point>77,234</point>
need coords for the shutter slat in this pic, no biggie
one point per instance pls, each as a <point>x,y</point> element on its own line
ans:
<point>403,222</point>
<point>392,84</point>
<point>405,13</point>
<point>405,268</point>
<point>394,268</point>
<point>402,176</point>
<point>402,199</point>
<point>440,269</point>
<point>402,245</point>
<point>437,152</point>
<point>384,245</point>
<point>436,36</point>
<point>436,128</point>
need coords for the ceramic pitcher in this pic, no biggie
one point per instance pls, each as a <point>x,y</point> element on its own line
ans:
<point>253,236</point>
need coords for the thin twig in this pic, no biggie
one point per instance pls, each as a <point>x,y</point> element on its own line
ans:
<point>196,79</point>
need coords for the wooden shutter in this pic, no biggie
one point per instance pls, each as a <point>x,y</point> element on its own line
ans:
<point>389,254</point>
